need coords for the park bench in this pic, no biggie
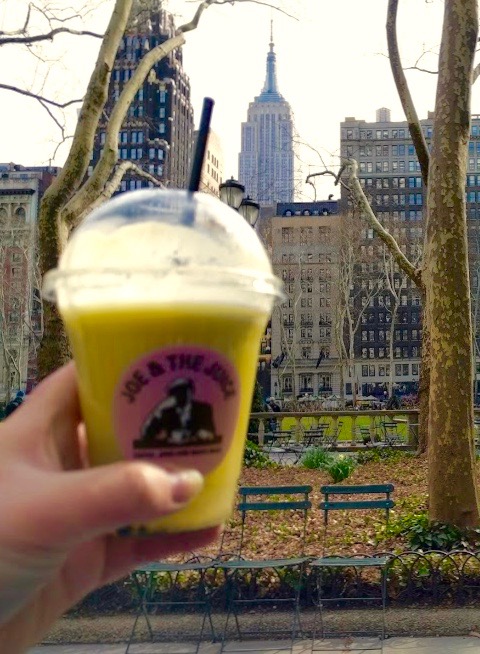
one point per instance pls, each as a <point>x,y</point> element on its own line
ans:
<point>352,498</point>
<point>265,499</point>
<point>152,599</point>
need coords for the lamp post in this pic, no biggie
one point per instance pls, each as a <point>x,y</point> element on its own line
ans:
<point>232,193</point>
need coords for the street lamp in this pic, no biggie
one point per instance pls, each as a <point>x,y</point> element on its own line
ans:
<point>231,192</point>
<point>250,210</point>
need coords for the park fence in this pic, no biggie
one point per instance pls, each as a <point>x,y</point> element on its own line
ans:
<point>414,578</point>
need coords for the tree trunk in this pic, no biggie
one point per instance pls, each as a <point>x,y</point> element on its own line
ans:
<point>452,489</point>
<point>54,350</point>
<point>424,385</point>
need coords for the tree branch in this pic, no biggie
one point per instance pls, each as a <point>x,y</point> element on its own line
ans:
<point>422,70</point>
<point>193,24</point>
<point>49,36</point>
<point>54,118</point>
<point>416,133</point>
<point>113,184</point>
<point>89,192</point>
<point>76,165</point>
<point>476,73</point>
<point>336,176</point>
<point>23,29</point>
<point>40,98</point>
<point>366,211</point>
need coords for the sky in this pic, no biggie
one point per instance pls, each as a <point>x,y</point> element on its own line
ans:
<point>331,63</point>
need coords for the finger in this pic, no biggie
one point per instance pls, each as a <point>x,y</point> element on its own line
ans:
<point>48,420</point>
<point>77,506</point>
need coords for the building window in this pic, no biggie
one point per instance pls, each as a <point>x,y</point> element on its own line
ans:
<point>306,235</point>
<point>305,382</point>
<point>287,383</point>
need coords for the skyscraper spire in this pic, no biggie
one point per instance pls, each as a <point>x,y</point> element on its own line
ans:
<point>266,161</point>
<point>270,92</point>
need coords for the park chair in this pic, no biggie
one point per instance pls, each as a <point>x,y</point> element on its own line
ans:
<point>331,436</point>
<point>282,447</point>
<point>160,588</point>
<point>391,435</point>
<point>276,498</point>
<point>352,498</point>
<point>315,436</point>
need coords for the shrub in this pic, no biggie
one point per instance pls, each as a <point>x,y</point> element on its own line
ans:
<point>316,458</point>
<point>421,534</point>
<point>341,468</point>
<point>254,457</point>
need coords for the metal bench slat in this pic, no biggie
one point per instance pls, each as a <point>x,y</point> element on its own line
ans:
<point>245,564</point>
<point>273,490</point>
<point>350,561</point>
<point>357,504</point>
<point>274,506</point>
<point>367,488</point>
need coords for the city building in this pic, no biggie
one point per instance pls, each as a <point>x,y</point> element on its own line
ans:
<point>157,133</point>
<point>212,171</point>
<point>21,189</point>
<point>266,160</point>
<point>387,303</point>
<point>304,249</point>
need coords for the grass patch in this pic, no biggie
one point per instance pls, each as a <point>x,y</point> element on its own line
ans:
<point>346,430</point>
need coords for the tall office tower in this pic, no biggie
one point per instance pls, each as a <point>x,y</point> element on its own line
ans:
<point>386,303</point>
<point>157,133</point>
<point>21,189</point>
<point>266,161</point>
<point>212,170</point>
<point>304,248</point>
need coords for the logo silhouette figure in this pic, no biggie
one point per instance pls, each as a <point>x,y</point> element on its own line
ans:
<point>179,419</point>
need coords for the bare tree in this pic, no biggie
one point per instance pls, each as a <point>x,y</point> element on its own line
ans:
<point>397,281</point>
<point>37,32</point>
<point>70,197</point>
<point>444,275</point>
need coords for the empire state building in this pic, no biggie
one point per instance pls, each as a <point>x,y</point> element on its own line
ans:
<point>266,158</point>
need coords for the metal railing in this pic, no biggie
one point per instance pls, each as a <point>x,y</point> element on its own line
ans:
<point>373,420</point>
<point>413,577</point>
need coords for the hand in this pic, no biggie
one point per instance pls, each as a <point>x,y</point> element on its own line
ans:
<point>59,517</point>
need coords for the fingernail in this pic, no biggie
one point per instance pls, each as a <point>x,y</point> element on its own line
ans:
<point>186,485</point>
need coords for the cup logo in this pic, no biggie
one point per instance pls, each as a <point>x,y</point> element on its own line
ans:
<point>179,406</point>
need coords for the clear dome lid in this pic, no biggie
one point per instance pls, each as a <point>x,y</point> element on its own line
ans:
<point>164,246</point>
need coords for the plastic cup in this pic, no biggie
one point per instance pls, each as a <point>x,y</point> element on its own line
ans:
<point>165,296</point>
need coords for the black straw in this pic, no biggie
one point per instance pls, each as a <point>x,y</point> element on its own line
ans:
<point>201,145</point>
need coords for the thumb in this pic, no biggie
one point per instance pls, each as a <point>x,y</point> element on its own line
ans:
<point>78,506</point>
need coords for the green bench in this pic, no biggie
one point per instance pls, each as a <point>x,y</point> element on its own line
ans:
<point>263,499</point>
<point>352,498</point>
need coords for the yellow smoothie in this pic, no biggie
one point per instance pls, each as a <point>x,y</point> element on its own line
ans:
<point>107,341</point>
